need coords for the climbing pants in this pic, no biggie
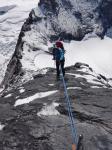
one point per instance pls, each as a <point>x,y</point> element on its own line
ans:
<point>58,64</point>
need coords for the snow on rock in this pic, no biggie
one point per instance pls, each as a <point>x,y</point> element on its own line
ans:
<point>94,51</point>
<point>3,65</point>
<point>22,90</point>
<point>90,78</point>
<point>95,87</point>
<point>110,81</point>
<point>1,89</point>
<point>30,74</point>
<point>67,18</point>
<point>9,95</point>
<point>49,110</point>
<point>11,21</point>
<point>51,84</point>
<point>74,88</point>
<point>17,97</point>
<point>84,71</point>
<point>31,98</point>
<point>1,126</point>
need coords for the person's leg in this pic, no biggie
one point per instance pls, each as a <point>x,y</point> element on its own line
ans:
<point>57,68</point>
<point>62,66</point>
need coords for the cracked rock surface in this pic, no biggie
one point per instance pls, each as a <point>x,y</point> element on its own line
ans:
<point>43,123</point>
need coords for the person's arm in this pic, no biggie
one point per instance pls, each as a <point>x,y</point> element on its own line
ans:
<point>54,54</point>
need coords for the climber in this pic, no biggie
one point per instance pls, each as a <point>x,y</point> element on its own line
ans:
<point>58,56</point>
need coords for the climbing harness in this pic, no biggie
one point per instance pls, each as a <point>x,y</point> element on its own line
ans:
<point>76,141</point>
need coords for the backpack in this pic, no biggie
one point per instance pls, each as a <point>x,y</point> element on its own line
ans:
<point>58,54</point>
<point>61,54</point>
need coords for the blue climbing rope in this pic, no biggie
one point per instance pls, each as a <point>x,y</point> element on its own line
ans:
<point>69,107</point>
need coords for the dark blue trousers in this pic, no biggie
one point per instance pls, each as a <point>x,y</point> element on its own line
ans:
<point>58,64</point>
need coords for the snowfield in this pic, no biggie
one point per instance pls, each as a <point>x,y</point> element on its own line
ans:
<point>12,21</point>
<point>94,52</point>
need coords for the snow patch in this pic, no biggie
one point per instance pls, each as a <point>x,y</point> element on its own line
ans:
<point>22,90</point>
<point>92,79</point>
<point>1,126</point>
<point>49,110</point>
<point>1,89</point>
<point>48,62</point>
<point>9,95</point>
<point>36,96</point>
<point>17,97</point>
<point>110,82</point>
<point>95,87</point>
<point>71,74</point>
<point>74,88</point>
<point>51,84</point>
<point>75,75</point>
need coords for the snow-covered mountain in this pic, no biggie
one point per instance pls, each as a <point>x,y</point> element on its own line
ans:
<point>33,113</point>
<point>13,14</point>
<point>67,20</point>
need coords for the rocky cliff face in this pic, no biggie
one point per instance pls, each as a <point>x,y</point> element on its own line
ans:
<point>59,19</point>
<point>106,7</point>
<point>106,12</point>
<point>69,19</point>
<point>73,19</point>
